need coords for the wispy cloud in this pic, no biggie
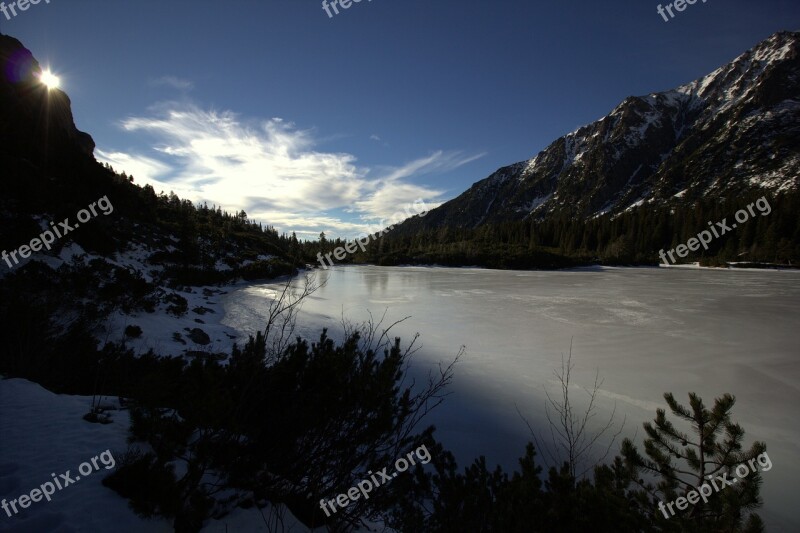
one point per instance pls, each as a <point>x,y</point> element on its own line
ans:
<point>270,168</point>
<point>174,82</point>
<point>390,190</point>
<point>437,162</point>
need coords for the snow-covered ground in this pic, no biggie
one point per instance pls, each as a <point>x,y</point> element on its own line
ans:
<point>159,329</point>
<point>162,331</point>
<point>44,433</point>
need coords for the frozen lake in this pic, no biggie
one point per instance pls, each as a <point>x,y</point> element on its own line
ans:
<point>647,330</point>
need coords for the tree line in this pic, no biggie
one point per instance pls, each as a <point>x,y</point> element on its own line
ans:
<point>630,238</point>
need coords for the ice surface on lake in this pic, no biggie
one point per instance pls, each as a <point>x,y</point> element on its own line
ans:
<point>648,331</point>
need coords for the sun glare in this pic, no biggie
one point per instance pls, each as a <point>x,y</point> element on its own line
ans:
<point>49,79</point>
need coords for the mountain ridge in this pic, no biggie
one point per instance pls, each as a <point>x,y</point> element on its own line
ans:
<point>661,148</point>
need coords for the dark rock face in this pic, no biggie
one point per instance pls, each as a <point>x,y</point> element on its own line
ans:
<point>26,102</point>
<point>733,130</point>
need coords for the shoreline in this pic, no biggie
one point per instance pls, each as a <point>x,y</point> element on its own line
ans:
<point>596,267</point>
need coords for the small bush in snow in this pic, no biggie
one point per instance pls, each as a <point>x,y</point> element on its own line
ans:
<point>134,332</point>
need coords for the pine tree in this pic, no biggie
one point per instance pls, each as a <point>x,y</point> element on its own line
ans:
<point>683,463</point>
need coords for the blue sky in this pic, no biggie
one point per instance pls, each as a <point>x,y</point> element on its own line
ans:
<point>311,123</point>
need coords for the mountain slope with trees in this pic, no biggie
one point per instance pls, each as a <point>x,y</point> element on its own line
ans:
<point>645,177</point>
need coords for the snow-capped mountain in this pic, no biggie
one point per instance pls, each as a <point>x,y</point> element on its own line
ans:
<point>736,129</point>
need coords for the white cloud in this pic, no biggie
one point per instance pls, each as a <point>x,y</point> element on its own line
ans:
<point>271,169</point>
<point>143,169</point>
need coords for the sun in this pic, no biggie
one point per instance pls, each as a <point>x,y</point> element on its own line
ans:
<point>49,79</point>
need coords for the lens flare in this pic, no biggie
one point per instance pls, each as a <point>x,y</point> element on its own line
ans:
<point>49,79</point>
